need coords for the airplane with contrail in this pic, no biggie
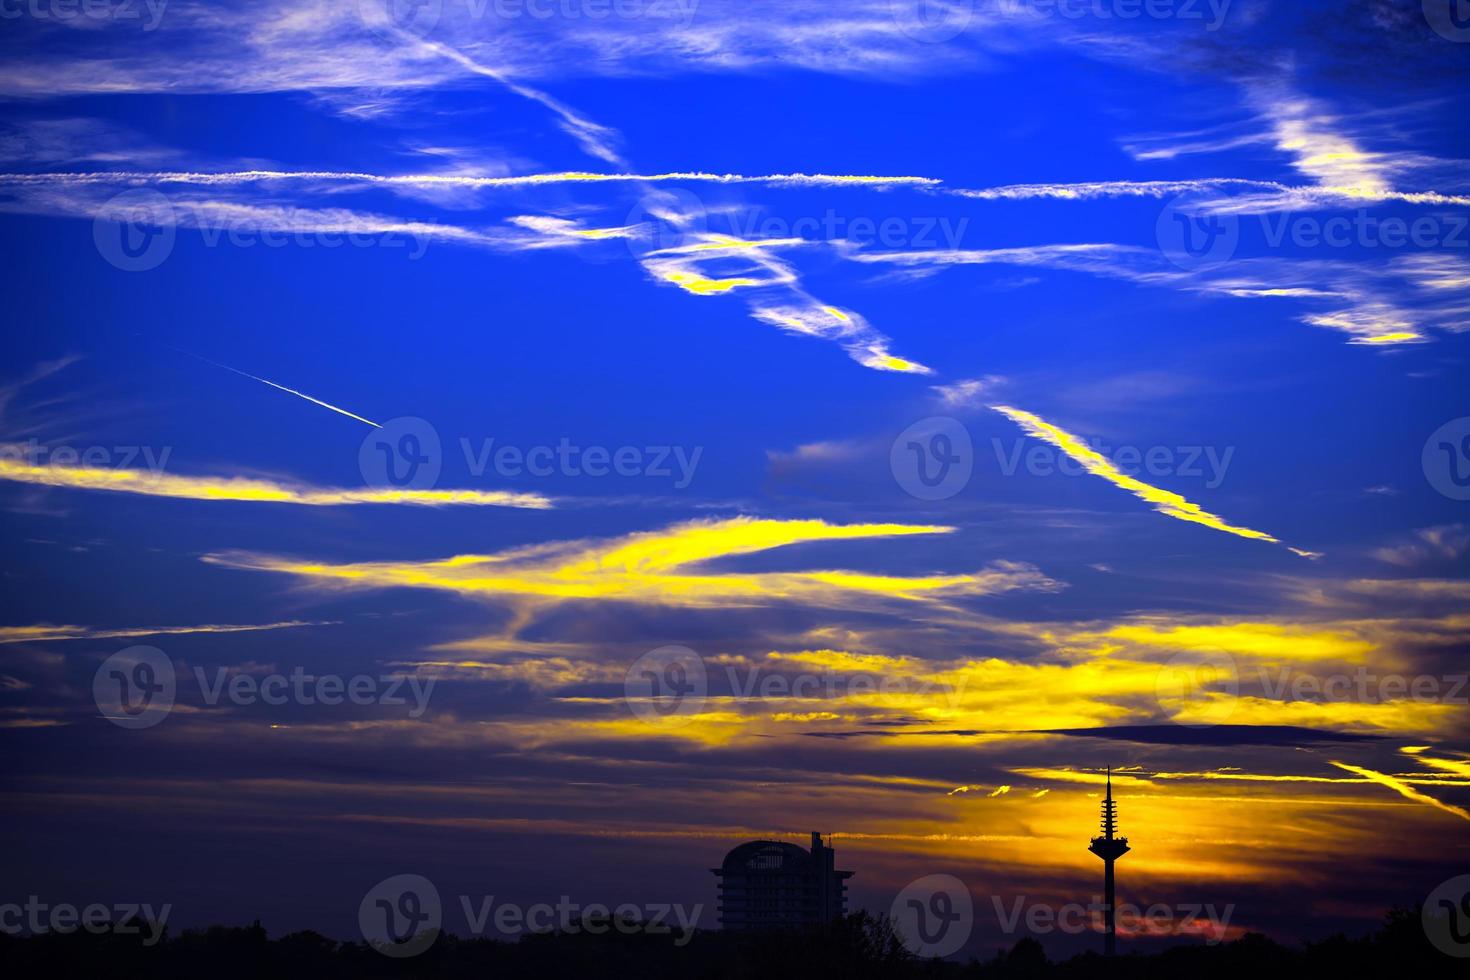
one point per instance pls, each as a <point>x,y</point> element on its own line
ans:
<point>267,381</point>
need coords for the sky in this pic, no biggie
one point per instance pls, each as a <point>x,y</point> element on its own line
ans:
<point>689,422</point>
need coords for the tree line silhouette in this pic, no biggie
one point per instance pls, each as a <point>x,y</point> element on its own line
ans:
<point>858,946</point>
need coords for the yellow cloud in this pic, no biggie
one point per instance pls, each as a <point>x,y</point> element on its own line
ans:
<point>158,484</point>
<point>1404,789</point>
<point>1283,642</point>
<point>1459,767</point>
<point>1097,464</point>
<point>661,566</point>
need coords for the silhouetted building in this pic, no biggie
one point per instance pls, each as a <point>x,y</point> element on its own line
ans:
<point>1109,848</point>
<point>771,884</point>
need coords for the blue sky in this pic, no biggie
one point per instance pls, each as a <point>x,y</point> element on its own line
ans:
<point>1211,264</point>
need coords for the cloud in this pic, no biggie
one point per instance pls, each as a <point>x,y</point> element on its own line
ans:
<point>710,265</point>
<point>13,467</point>
<point>1164,501</point>
<point>1446,542</point>
<point>1390,302</point>
<point>666,566</point>
<point>458,180</point>
<point>594,139</point>
<point>1176,734</point>
<point>969,393</point>
<point>700,264</point>
<point>346,45</point>
<point>1404,789</point>
<point>1211,196</point>
<point>46,633</point>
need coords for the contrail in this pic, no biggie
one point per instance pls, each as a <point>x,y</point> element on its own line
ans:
<point>461,180</point>
<point>1097,464</point>
<point>266,381</point>
<point>1403,789</point>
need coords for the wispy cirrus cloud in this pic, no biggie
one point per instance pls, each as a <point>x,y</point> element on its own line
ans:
<point>47,633</point>
<point>667,566</point>
<point>1387,303</point>
<point>708,265</point>
<point>15,468</point>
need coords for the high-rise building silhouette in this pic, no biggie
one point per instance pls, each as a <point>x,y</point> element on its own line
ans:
<point>1109,847</point>
<point>771,884</point>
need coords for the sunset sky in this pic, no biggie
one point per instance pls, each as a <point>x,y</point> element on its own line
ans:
<point>976,396</point>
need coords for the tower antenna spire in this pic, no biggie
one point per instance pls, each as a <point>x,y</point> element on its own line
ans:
<point>1109,847</point>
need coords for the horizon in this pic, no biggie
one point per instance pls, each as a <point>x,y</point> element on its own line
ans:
<point>535,446</point>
